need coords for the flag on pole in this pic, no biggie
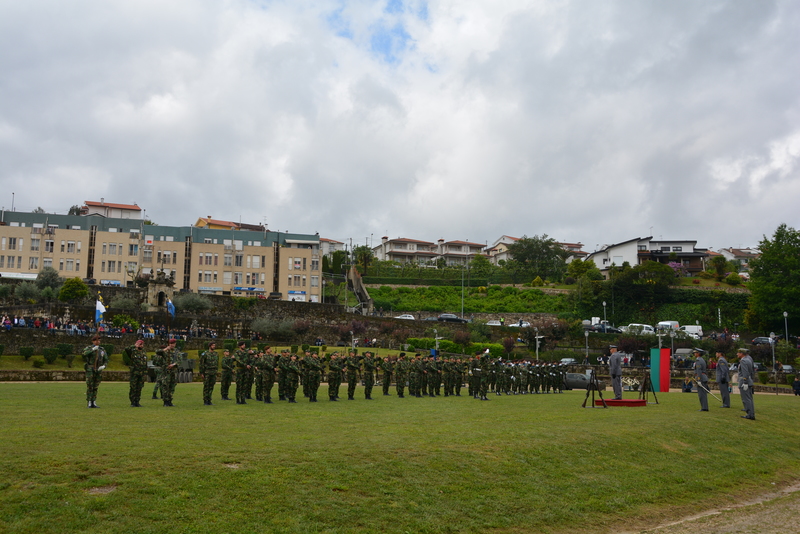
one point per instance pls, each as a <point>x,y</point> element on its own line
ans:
<point>170,307</point>
<point>99,310</point>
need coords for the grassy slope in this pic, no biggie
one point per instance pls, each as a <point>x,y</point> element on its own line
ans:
<point>517,463</point>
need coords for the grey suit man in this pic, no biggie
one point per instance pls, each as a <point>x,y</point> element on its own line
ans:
<point>615,370</point>
<point>702,379</point>
<point>723,379</point>
<point>746,372</point>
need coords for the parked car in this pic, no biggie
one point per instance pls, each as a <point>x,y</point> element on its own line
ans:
<point>666,326</point>
<point>788,369</point>
<point>694,330</point>
<point>760,367</point>
<point>604,329</point>
<point>579,381</point>
<point>568,361</point>
<point>406,316</point>
<point>640,329</point>
<point>520,324</point>
<point>451,318</point>
<point>762,341</point>
<point>493,322</point>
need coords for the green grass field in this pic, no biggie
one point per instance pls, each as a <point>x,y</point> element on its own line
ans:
<point>515,464</point>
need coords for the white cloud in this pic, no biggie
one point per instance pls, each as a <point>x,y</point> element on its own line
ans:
<point>588,121</point>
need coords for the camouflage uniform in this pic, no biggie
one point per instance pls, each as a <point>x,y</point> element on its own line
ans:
<point>258,375</point>
<point>243,365</point>
<point>486,376</point>
<point>227,375</point>
<point>95,359</point>
<point>293,377</point>
<point>138,365</point>
<point>167,360</point>
<point>208,365</point>
<point>313,376</point>
<point>268,363</point>
<point>335,366</point>
<point>352,366</point>
<point>386,380</point>
<point>369,375</point>
<point>401,374</point>
<point>415,376</point>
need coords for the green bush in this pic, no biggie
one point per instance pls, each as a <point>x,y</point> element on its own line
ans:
<point>294,349</point>
<point>64,349</point>
<point>126,359</point>
<point>108,348</point>
<point>789,379</point>
<point>38,363</point>
<point>763,377</point>
<point>181,343</point>
<point>733,279</point>
<point>305,347</point>
<point>70,358</point>
<point>323,349</point>
<point>26,352</point>
<point>50,354</point>
<point>229,344</point>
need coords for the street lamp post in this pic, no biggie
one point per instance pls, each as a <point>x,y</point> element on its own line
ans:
<point>672,341</point>
<point>786,325</point>
<point>604,313</point>
<point>586,335</point>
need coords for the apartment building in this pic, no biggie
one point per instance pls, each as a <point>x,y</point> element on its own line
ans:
<point>113,251</point>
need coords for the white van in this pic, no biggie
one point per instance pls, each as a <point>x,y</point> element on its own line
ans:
<point>643,329</point>
<point>666,326</point>
<point>693,330</point>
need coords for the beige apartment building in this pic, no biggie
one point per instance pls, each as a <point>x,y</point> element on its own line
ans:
<point>113,251</point>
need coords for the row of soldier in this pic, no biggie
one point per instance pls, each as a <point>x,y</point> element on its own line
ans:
<point>423,376</point>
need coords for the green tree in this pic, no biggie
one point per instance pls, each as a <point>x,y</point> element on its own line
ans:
<point>540,256</point>
<point>74,289</point>
<point>718,266</point>
<point>481,267</point>
<point>578,268</point>
<point>192,302</point>
<point>49,277</point>
<point>775,281</point>
<point>74,210</point>
<point>38,210</point>
<point>363,257</point>
<point>337,259</point>
<point>48,294</point>
<point>27,293</point>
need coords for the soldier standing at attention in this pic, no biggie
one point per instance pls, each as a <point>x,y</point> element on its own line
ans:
<point>369,374</point>
<point>702,379</point>
<point>401,373</point>
<point>615,370</point>
<point>386,380</point>
<point>167,360</point>
<point>335,366</point>
<point>95,360</point>
<point>269,374</point>
<point>746,373</point>
<point>243,365</point>
<point>227,374</point>
<point>723,380</point>
<point>484,367</point>
<point>352,366</point>
<point>313,375</point>
<point>137,358</point>
<point>293,377</point>
<point>209,363</point>
<point>258,374</point>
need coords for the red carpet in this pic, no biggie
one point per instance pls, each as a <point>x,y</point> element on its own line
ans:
<point>623,402</point>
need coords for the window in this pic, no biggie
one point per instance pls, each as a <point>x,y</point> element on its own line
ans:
<point>174,256</point>
<point>315,265</point>
<point>227,260</point>
<point>79,247</point>
<point>215,277</point>
<point>102,266</point>
<point>35,244</point>
<point>290,280</point>
<point>314,281</point>
<point>216,259</point>
<point>11,260</point>
<point>207,240</point>
<point>262,278</point>
<point>2,261</point>
<point>48,245</point>
<point>298,263</point>
<point>226,277</point>
<point>77,265</point>
<point>677,249</point>
<point>112,248</point>
<point>304,264</point>
<point>46,262</point>
<point>665,249</point>
<point>132,266</point>
<point>33,263</point>
<point>70,247</point>
<point>291,263</point>
<point>237,278</point>
<point>238,260</point>
<point>208,258</point>
<point>207,276</point>
<point>641,247</point>
<point>158,257</point>
<point>249,261</point>
<point>112,266</point>
<point>297,280</point>
<point>12,243</point>
<point>199,276</point>
<point>133,250</point>
<point>104,248</point>
<point>247,278</point>
<point>61,265</point>
<point>304,280</point>
<point>70,265</point>
<point>147,255</point>
<point>119,249</point>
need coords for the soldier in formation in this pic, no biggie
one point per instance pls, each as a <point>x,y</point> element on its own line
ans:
<point>386,379</point>
<point>335,367</point>
<point>228,367</point>
<point>95,360</point>
<point>137,361</point>
<point>243,364</point>
<point>208,366</point>
<point>166,359</point>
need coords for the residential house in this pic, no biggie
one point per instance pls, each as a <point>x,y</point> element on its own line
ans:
<point>642,249</point>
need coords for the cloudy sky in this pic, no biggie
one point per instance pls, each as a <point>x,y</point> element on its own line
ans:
<point>590,121</point>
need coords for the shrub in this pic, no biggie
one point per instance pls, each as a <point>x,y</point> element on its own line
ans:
<point>789,379</point>
<point>64,349</point>
<point>50,354</point>
<point>569,281</point>
<point>293,349</point>
<point>733,279</point>
<point>194,303</point>
<point>229,344</point>
<point>70,358</point>
<point>537,282</point>
<point>122,319</point>
<point>26,352</point>
<point>108,348</point>
<point>123,303</point>
<point>38,363</point>
<point>696,281</point>
<point>324,349</point>
<point>763,377</point>
<point>301,326</point>
<point>243,303</point>
<point>305,346</point>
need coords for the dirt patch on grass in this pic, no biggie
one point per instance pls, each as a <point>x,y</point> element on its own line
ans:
<point>232,466</point>
<point>101,490</point>
<point>771,513</point>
